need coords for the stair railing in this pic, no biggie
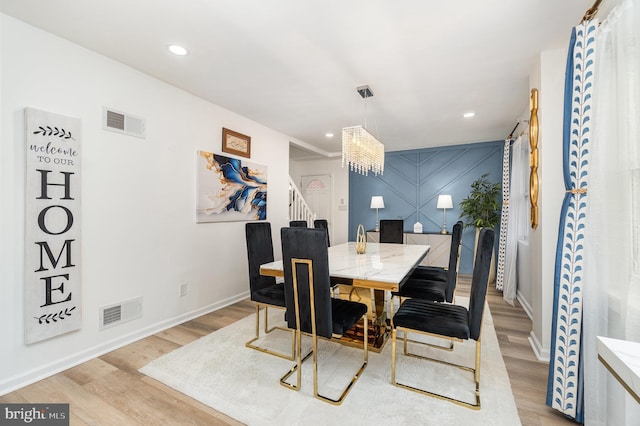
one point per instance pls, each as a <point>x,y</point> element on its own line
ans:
<point>298,207</point>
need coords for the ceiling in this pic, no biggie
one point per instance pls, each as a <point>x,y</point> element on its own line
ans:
<point>295,65</point>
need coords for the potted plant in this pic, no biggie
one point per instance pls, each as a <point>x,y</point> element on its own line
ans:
<point>482,209</point>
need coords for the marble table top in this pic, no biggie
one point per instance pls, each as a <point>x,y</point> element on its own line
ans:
<point>622,358</point>
<point>383,266</point>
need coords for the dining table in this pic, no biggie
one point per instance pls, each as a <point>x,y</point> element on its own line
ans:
<point>366,278</point>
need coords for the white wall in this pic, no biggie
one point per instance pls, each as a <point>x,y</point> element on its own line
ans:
<point>548,78</point>
<point>339,221</point>
<point>524,290</point>
<point>139,236</point>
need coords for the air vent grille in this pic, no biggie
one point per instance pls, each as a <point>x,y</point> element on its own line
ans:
<point>121,122</point>
<point>115,120</point>
<point>112,314</point>
<point>118,313</point>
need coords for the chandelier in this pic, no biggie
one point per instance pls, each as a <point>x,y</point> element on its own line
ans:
<point>360,149</point>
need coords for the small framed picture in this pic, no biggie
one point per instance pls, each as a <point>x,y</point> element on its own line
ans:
<point>236,143</point>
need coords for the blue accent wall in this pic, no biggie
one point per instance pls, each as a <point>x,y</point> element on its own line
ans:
<point>413,180</point>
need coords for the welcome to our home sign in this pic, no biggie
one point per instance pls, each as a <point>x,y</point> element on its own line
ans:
<point>52,234</point>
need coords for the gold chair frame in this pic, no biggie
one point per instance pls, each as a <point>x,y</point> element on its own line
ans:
<point>453,301</point>
<point>475,371</point>
<point>298,332</point>
<point>268,330</point>
<point>417,342</point>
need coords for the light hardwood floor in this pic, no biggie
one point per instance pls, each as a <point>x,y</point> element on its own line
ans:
<point>109,390</point>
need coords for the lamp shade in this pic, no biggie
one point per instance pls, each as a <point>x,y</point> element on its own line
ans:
<point>445,202</point>
<point>377,202</point>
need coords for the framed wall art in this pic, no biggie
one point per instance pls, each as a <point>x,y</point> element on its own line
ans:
<point>236,143</point>
<point>230,189</point>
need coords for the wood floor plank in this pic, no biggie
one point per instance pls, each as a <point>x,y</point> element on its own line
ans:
<point>83,405</point>
<point>146,404</point>
<point>89,371</point>
<point>223,418</point>
<point>138,354</point>
<point>182,335</point>
<point>13,398</point>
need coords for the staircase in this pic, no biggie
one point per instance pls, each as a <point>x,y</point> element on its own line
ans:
<point>298,207</point>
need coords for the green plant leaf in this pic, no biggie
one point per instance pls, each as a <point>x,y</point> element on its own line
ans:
<point>482,207</point>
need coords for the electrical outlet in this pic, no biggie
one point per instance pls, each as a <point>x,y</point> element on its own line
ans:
<point>183,290</point>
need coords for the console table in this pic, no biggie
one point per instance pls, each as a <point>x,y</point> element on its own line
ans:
<point>440,246</point>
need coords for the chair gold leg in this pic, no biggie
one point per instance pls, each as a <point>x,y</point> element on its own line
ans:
<point>266,320</point>
<point>393,355</point>
<point>431,345</point>
<point>257,320</point>
<point>475,371</point>
<point>355,378</point>
<point>298,366</point>
<point>250,344</point>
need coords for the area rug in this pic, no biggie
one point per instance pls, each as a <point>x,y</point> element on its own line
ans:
<point>219,371</point>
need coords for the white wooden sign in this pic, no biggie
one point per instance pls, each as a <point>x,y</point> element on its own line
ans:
<point>52,217</point>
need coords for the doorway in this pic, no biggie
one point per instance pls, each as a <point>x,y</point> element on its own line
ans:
<point>316,190</point>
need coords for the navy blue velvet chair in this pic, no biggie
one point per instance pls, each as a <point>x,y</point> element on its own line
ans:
<point>310,307</point>
<point>265,292</point>
<point>451,322</point>
<point>433,283</point>
<point>435,273</point>
<point>298,223</point>
<point>324,224</point>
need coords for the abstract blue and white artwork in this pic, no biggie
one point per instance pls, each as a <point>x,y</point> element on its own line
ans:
<point>230,189</point>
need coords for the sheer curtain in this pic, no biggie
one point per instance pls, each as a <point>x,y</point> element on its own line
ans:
<point>517,206</point>
<point>611,279</point>
<point>504,217</point>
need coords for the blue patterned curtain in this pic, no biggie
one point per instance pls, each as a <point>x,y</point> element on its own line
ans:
<point>565,384</point>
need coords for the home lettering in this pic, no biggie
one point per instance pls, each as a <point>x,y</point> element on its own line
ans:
<point>45,248</point>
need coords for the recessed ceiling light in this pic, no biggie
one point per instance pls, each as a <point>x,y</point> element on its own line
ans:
<point>469,114</point>
<point>177,50</point>
<point>329,134</point>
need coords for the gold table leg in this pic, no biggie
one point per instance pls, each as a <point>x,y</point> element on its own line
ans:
<point>374,299</point>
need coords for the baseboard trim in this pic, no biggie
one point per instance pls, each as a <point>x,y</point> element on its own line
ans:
<point>21,380</point>
<point>525,305</point>
<point>541,353</point>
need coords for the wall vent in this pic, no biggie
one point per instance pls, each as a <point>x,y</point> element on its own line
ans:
<point>121,122</point>
<point>111,315</point>
<point>120,312</point>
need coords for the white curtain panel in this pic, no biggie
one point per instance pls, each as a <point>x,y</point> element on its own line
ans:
<point>504,217</point>
<point>612,273</point>
<point>516,205</point>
